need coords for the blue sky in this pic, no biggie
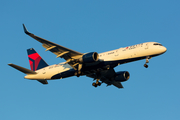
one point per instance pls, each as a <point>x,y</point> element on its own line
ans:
<point>86,26</point>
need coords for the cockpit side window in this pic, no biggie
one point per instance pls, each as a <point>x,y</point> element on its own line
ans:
<point>157,44</point>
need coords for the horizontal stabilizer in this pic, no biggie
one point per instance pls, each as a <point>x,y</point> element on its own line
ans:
<point>24,70</point>
<point>43,81</point>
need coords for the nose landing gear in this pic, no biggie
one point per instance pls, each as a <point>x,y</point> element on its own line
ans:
<point>147,61</point>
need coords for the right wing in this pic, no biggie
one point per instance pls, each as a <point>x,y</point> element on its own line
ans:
<point>118,84</point>
<point>107,76</point>
<point>58,50</point>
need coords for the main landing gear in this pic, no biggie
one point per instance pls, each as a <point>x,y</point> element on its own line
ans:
<point>97,76</point>
<point>97,83</point>
<point>78,72</point>
<point>147,61</point>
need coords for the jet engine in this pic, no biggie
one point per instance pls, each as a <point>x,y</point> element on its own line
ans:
<point>122,76</point>
<point>89,57</point>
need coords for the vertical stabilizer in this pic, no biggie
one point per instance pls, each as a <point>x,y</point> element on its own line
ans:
<point>35,60</point>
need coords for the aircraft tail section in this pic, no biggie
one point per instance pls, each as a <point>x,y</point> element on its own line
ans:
<point>35,60</point>
<point>28,72</point>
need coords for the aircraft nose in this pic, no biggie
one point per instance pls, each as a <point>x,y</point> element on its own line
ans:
<point>163,49</point>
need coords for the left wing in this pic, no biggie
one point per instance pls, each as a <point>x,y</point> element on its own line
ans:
<point>107,76</point>
<point>58,50</point>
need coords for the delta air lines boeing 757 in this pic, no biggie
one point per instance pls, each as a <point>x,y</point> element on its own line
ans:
<point>99,67</point>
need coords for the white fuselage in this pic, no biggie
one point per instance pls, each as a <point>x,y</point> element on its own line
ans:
<point>118,56</point>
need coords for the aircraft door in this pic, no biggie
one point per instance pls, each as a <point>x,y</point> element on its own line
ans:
<point>116,53</point>
<point>146,46</point>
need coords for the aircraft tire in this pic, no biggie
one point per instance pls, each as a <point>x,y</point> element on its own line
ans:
<point>93,84</point>
<point>145,65</point>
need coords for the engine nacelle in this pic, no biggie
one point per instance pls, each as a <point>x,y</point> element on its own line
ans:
<point>89,57</point>
<point>122,76</point>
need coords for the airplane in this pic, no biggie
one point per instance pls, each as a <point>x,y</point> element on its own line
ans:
<point>99,67</point>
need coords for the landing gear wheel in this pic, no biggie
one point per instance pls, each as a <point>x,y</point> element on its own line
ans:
<point>95,85</point>
<point>145,65</point>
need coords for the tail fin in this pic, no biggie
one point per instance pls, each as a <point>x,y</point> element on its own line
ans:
<point>35,60</point>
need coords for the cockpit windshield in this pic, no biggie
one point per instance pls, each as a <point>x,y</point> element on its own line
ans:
<point>157,44</point>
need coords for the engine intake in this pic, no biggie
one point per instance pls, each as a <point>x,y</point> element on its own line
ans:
<point>89,57</point>
<point>122,76</point>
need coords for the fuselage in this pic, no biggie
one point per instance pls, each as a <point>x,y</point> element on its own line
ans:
<point>106,59</point>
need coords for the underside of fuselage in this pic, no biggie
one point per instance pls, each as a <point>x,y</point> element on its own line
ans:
<point>103,65</point>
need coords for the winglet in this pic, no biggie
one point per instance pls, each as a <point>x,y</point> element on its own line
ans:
<point>25,30</point>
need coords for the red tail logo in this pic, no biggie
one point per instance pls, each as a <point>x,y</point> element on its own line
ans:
<point>35,60</point>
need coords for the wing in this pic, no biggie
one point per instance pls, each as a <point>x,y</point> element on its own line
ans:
<point>118,84</point>
<point>107,76</point>
<point>58,50</point>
